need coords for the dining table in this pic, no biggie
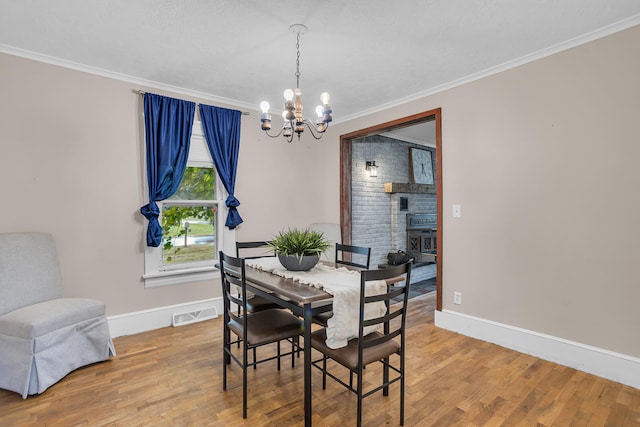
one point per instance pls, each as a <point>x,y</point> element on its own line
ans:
<point>303,300</point>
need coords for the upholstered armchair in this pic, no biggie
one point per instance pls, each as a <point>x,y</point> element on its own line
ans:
<point>43,336</point>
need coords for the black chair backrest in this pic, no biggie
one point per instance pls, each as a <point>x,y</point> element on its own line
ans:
<point>391,329</point>
<point>232,271</point>
<point>260,249</point>
<point>354,261</point>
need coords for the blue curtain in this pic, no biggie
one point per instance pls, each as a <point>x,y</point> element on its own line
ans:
<point>168,123</point>
<point>222,131</point>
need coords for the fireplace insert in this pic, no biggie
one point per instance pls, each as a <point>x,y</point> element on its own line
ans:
<point>421,236</point>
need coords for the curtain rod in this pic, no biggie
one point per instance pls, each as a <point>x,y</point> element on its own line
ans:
<point>244,113</point>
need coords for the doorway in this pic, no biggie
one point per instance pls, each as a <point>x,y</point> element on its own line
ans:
<point>346,149</point>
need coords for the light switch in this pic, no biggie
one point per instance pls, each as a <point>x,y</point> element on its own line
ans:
<point>457,211</point>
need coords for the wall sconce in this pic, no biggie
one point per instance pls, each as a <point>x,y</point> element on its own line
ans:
<point>372,168</point>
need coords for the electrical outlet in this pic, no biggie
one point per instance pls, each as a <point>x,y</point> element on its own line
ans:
<point>457,297</point>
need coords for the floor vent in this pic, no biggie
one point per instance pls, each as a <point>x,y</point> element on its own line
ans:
<point>180,319</point>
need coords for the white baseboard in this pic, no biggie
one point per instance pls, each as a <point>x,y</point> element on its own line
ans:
<point>147,320</point>
<point>597,361</point>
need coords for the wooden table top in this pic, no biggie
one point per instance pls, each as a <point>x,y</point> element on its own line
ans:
<point>291,289</point>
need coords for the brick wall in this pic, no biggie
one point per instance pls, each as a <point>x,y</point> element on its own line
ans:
<point>377,221</point>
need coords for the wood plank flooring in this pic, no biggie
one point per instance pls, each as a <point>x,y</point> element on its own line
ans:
<point>172,377</point>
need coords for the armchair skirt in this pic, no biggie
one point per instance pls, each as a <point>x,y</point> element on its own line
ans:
<point>43,342</point>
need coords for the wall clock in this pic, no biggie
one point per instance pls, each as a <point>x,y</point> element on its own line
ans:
<point>421,166</point>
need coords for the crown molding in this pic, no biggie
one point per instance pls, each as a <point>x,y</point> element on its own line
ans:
<point>543,53</point>
<point>35,56</point>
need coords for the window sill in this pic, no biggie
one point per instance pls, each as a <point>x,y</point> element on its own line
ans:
<point>176,277</point>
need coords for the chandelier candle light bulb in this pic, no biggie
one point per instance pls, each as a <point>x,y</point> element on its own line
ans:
<point>293,120</point>
<point>288,95</point>
<point>265,118</point>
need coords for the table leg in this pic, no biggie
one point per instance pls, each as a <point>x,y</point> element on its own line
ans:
<point>385,370</point>
<point>307,364</point>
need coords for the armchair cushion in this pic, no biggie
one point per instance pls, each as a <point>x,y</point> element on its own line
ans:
<point>40,319</point>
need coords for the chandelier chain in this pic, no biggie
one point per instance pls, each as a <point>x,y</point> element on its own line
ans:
<point>298,62</point>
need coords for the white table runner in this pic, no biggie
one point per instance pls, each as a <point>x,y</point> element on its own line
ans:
<point>344,285</point>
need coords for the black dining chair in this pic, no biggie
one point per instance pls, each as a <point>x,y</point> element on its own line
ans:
<point>357,257</point>
<point>387,345</point>
<point>252,330</point>
<point>353,256</point>
<point>256,249</point>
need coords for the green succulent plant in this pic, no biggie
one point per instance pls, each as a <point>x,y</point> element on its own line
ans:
<point>299,242</point>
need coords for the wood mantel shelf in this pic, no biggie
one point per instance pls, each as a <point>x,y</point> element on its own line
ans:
<point>403,187</point>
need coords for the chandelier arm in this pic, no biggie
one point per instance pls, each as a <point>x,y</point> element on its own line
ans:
<point>276,135</point>
<point>313,130</point>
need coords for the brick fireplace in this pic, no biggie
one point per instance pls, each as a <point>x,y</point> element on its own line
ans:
<point>379,215</point>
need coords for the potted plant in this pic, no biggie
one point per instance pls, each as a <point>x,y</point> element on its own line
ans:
<point>299,250</point>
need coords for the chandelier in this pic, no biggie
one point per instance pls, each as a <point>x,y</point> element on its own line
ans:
<point>293,120</point>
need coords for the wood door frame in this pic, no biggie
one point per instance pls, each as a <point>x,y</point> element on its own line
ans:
<point>345,179</point>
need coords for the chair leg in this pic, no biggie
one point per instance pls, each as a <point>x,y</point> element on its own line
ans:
<point>226,358</point>
<point>239,315</point>
<point>324,372</point>
<point>224,370</point>
<point>402,389</point>
<point>244,380</point>
<point>359,391</point>
<point>255,365</point>
<point>385,376</point>
<point>278,345</point>
<point>227,346</point>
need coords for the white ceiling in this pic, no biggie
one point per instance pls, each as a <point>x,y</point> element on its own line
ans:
<point>422,133</point>
<point>367,54</point>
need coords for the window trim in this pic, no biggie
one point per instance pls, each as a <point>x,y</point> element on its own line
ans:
<point>154,274</point>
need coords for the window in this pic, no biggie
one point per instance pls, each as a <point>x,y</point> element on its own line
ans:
<point>189,219</point>
<point>192,223</point>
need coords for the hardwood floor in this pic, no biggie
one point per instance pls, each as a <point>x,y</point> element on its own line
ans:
<point>172,377</point>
